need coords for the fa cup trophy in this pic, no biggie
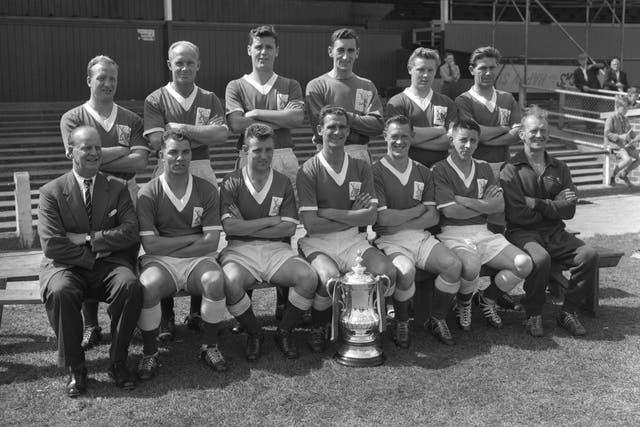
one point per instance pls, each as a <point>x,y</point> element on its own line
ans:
<point>359,308</point>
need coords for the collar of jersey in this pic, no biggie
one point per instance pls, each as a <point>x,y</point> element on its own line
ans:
<point>180,204</point>
<point>467,180</point>
<point>403,177</point>
<point>185,103</point>
<point>423,103</point>
<point>258,196</point>
<point>263,89</point>
<point>489,104</point>
<point>337,177</point>
<point>107,123</point>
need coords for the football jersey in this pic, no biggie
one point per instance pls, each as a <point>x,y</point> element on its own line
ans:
<point>279,93</point>
<point>123,128</point>
<point>356,95</point>
<point>501,110</point>
<point>402,190</point>
<point>161,213</point>
<point>201,108</point>
<point>450,181</point>
<point>275,199</point>
<point>434,110</point>
<point>319,186</point>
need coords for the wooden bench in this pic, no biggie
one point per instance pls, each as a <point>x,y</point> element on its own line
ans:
<point>608,258</point>
<point>19,282</point>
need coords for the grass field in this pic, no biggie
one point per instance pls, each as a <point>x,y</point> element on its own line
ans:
<point>490,377</point>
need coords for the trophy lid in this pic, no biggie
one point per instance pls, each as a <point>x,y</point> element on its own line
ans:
<point>358,274</point>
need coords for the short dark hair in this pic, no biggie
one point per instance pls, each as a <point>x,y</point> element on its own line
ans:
<point>345,34</point>
<point>484,52</point>
<point>263,31</point>
<point>100,59</point>
<point>465,122</point>
<point>176,135</point>
<point>423,52</point>
<point>258,131</point>
<point>534,111</point>
<point>328,110</point>
<point>399,119</point>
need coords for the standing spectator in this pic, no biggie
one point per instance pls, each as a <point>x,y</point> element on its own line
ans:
<point>618,131</point>
<point>616,79</point>
<point>450,74</point>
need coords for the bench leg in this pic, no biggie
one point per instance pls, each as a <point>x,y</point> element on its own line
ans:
<point>3,285</point>
<point>592,299</point>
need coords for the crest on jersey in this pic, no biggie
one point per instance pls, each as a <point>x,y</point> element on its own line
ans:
<point>196,221</point>
<point>354,189</point>
<point>363,100</point>
<point>274,209</point>
<point>505,115</point>
<point>202,116</point>
<point>439,115</point>
<point>418,188</point>
<point>124,135</point>
<point>482,184</point>
<point>283,100</point>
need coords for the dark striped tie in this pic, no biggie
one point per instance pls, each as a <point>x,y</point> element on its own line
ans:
<point>87,198</point>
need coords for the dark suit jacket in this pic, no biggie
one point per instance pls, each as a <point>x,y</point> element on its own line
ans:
<point>611,80</point>
<point>592,77</point>
<point>61,209</point>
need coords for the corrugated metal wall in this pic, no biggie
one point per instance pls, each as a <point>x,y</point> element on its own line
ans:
<point>117,9</point>
<point>48,56</point>
<point>269,11</point>
<point>303,53</point>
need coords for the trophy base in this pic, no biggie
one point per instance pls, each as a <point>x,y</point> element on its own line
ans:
<point>359,356</point>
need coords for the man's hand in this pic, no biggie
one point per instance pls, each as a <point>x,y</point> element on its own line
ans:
<point>77,238</point>
<point>362,201</point>
<point>566,194</point>
<point>530,202</point>
<point>235,212</point>
<point>491,192</point>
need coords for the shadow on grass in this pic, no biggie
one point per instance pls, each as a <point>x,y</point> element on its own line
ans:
<point>615,293</point>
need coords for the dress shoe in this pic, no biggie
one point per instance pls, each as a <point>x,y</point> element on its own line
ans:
<point>286,344</point>
<point>76,382</point>
<point>122,376</point>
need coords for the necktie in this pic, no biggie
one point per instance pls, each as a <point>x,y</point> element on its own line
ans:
<point>87,198</point>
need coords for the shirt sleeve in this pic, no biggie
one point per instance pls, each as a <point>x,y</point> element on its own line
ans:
<point>394,107</point>
<point>233,98</point>
<point>153,114</point>
<point>68,122</point>
<point>378,184</point>
<point>464,106</point>
<point>306,185</point>
<point>138,142</point>
<point>452,112</point>
<point>516,116</point>
<point>314,101</point>
<point>296,100</point>
<point>429,192</point>
<point>515,207</point>
<point>288,209</point>
<point>146,208</point>
<point>367,180</point>
<point>218,117</point>
<point>444,194</point>
<point>228,197</point>
<point>211,209</point>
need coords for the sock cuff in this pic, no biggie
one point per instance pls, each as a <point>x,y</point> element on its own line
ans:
<point>446,287</point>
<point>213,311</point>
<point>321,303</point>
<point>299,301</point>
<point>240,307</point>
<point>402,295</point>
<point>149,319</point>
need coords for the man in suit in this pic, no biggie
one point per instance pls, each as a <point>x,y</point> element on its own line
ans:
<point>616,79</point>
<point>585,78</point>
<point>89,235</point>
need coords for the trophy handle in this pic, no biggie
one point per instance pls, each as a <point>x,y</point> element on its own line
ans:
<point>333,285</point>
<point>383,284</point>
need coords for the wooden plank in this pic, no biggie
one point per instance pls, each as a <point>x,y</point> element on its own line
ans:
<point>19,296</point>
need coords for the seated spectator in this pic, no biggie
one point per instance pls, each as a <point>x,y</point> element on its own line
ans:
<point>615,78</point>
<point>539,195</point>
<point>618,131</point>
